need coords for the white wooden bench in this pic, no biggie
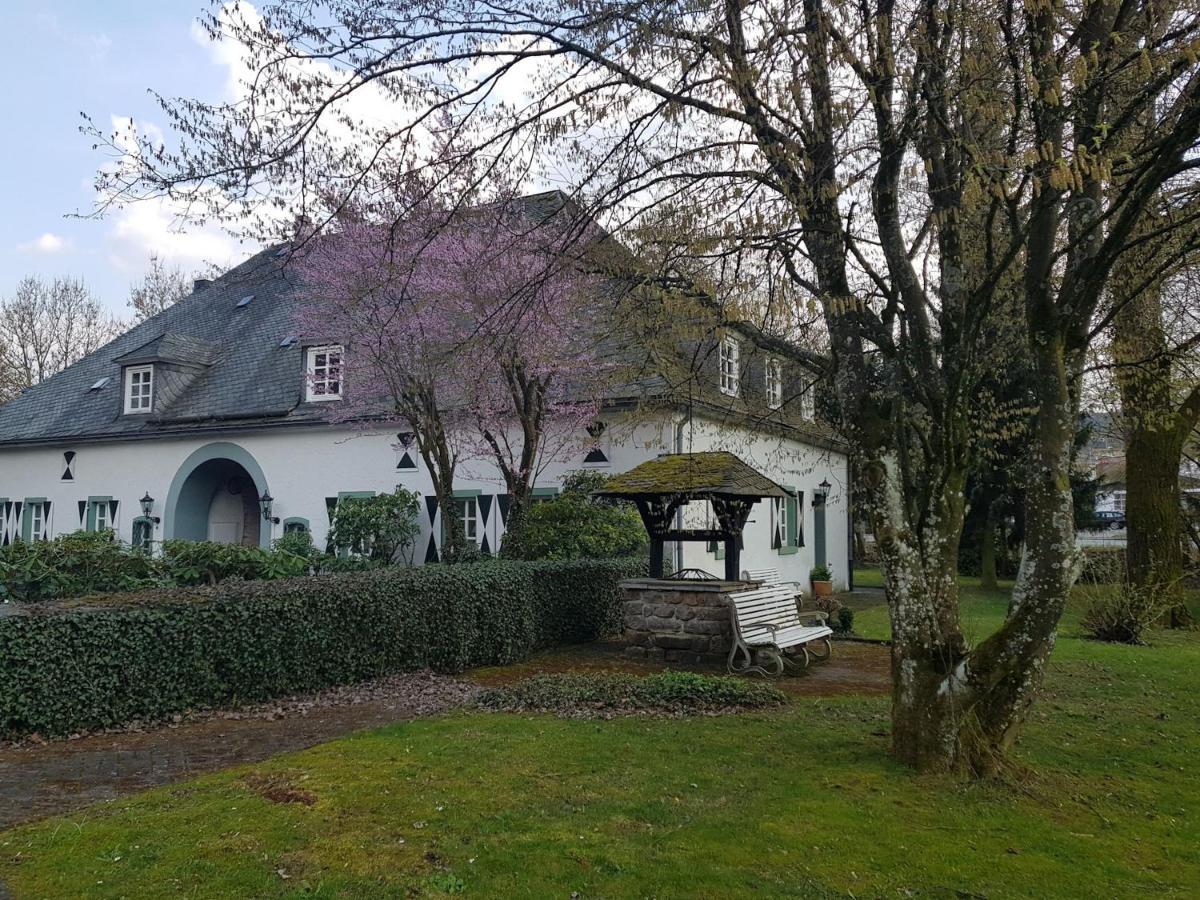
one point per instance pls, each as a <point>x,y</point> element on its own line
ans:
<point>768,621</point>
<point>770,578</point>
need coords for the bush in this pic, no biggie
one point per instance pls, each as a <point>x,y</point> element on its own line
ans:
<point>1103,566</point>
<point>376,527</point>
<point>72,565</point>
<point>297,543</point>
<point>189,563</point>
<point>821,573</point>
<point>843,623</point>
<point>666,692</point>
<point>572,525</point>
<point>108,661</point>
<point>1123,616</point>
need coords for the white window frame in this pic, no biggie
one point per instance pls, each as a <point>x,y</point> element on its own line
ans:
<point>37,520</point>
<point>773,378</point>
<point>468,511</point>
<point>100,517</point>
<point>317,378</point>
<point>728,359</point>
<point>143,401</point>
<point>806,401</point>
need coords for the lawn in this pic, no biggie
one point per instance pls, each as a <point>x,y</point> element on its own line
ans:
<point>803,802</point>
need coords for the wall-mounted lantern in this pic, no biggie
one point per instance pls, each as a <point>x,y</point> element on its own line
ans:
<point>264,503</point>
<point>822,492</point>
<point>147,507</point>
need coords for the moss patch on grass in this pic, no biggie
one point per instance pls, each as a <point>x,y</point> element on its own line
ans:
<point>800,801</point>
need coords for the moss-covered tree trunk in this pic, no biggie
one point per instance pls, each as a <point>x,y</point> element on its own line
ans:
<point>987,550</point>
<point>1157,422</point>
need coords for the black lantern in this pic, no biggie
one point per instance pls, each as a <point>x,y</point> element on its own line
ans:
<point>264,503</point>
<point>822,492</point>
<point>148,505</point>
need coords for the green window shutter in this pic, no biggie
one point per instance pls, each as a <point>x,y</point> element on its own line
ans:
<point>92,504</point>
<point>791,506</point>
<point>793,520</point>
<point>27,534</point>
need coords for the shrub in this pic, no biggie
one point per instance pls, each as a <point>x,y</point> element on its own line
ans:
<point>190,563</point>
<point>111,660</point>
<point>572,525</point>
<point>821,573</point>
<point>1124,615</point>
<point>843,623</point>
<point>72,565</point>
<point>666,692</point>
<point>1103,566</point>
<point>377,527</point>
<point>298,543</point>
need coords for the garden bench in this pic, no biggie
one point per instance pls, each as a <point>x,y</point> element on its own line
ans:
<point>767,620</point>
<point>770,578</point>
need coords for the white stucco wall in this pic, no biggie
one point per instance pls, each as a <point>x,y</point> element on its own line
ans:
<point>304,466</point>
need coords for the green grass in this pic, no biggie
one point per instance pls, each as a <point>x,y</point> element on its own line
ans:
<point>803,802</point>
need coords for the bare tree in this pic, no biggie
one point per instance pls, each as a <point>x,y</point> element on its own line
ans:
<point>159,288</point>
<point>943,180</point>
<point>45,326</point>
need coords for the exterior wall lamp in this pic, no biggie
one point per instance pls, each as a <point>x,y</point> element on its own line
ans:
<point>264,503</point>
<point>148,505</point>
<point>822,492</point>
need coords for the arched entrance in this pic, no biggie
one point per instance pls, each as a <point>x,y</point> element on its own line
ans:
<point>214,497</point>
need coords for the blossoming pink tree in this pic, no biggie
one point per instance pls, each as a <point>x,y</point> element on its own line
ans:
<point>471,328</point>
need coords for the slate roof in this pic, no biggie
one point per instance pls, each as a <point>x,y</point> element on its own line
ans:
<point>248,378</point>
<point>173,348</point>
<point>707,474</point>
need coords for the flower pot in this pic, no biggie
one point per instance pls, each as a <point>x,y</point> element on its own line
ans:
<point>822,588</point>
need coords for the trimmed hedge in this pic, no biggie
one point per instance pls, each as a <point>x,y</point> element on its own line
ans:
<point>71,666</point>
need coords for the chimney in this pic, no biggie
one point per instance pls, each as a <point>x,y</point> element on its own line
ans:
<point>200,284</point>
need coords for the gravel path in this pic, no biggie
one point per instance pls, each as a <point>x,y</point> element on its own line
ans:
<point>43,779</point>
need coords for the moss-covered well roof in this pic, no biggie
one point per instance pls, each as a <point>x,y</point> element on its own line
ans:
<point>715,473</point>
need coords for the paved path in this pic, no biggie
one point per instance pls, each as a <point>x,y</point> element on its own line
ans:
<point>38,780</point>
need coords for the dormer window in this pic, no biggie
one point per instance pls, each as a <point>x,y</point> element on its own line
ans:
<point>729,365</point>
<point>774,383</point>
<point>139,389</point>
<point>324,373</point>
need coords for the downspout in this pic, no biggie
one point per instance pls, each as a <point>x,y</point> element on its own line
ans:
<point>849,525</point>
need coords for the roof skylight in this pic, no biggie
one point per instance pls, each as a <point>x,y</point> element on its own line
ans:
<point>99,384</point>
<point>245,301</point>
<point>288,341</point>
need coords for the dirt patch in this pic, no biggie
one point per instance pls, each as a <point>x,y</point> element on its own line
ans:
<point>854,668</point>
<point>279,787</point>
<point>44,779</point>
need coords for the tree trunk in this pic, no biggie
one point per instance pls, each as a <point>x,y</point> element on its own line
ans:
<point>1154,549</point>
<point>1157,425</point>
<point>987,550</point>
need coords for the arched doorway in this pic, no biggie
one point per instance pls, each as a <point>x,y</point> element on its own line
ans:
<point>214,497</point>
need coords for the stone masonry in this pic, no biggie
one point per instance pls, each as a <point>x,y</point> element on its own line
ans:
<point>677,621</point>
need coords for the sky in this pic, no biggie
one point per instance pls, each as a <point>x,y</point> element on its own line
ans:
<point>98,57</point>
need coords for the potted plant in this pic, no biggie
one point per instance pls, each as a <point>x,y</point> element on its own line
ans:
<point>822,581</point>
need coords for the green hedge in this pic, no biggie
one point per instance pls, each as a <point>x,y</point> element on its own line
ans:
<point>70,666</point>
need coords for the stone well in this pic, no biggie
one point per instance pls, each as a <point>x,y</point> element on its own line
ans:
<point>678,620</point>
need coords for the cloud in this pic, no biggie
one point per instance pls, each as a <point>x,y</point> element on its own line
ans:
<point>160,226</point>
<point>48,244</point>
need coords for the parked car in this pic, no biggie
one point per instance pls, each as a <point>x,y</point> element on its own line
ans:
<point>1110,518</point>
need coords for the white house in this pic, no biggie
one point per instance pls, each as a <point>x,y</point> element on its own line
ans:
<point>208,421</point>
